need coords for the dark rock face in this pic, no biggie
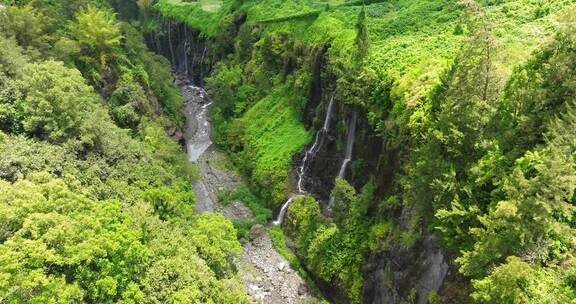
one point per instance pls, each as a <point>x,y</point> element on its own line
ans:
<point>396,274</point>
<point>316,86</point>
<point>185,48</point>
<point>391,275</point>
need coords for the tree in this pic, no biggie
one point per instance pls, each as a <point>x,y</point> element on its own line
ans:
<point>344,197</point>
<point>538,91</point>
<point>12,58</point>
<point>215,239</point>
<point>172,203</point>
<point>98,34</point>
<point>534,217</point>
<point>456,138</point>
<point>55,100</point>
<point>128,102</point>
<point>517,282</point>
<point>189,281</point>
<point>362,35</point>
<point>60,246</point>
<point>26,25</point>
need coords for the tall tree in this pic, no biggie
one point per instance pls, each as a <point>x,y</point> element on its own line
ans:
<point>362,35</point>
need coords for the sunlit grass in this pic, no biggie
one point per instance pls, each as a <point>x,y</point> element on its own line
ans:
<point>211,5</point>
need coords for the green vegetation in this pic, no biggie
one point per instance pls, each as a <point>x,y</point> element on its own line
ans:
<point>256,117</point>
<point>333,250</point>
<point>96,203</point>
<point>204,15</point>
<point>472,100</point>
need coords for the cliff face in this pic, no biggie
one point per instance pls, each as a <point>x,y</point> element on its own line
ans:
<point>188,52</point>
<point>396,274</point>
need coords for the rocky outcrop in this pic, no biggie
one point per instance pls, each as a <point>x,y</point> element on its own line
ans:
<point>268,276</point>
<point>392,275</point>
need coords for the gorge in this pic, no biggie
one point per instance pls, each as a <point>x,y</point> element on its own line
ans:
<point>288,151</point>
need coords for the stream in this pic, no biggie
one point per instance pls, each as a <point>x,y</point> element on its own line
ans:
<point>267,276</point>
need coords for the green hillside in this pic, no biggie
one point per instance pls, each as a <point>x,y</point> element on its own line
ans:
<point>459,186</point>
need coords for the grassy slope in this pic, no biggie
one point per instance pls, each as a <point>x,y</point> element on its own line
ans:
<point>274,134</point>
<point>203,15</point>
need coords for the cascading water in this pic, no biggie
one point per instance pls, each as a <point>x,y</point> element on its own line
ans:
<point>308,155</point>
<point>283,211</point>
<point>170,44</point>
<point>186,50</point>
<point>318,141</point>
<point>202,66</point>
<point>350,137</point>
<point>200,140</point>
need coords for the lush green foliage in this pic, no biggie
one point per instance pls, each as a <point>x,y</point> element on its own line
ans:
<point>255,117</point>
<point>96,202</point>
<point>334,250</point>
<point>498,167</point>
<point>474,99</point>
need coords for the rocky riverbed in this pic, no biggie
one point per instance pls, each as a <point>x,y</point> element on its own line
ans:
<point>268,277</point>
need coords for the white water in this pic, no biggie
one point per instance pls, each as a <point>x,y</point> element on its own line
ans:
<point>200,140</point>
<point>202,66</point>
<point>350,137</point>
<point>186,51</point>
<point>283,211</point>
<point>320,135</point>
<point>308,155</point>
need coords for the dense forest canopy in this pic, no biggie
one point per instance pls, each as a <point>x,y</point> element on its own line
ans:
<point>96,204</point>
<point>434,140</point>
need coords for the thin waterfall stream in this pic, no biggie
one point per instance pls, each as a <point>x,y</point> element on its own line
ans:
<point>308,155</point>
<point>350,136</point>
<point>202,65</point>
<point>348,149</point>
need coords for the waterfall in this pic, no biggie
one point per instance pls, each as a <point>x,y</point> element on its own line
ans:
<point>350,137</point>
<point>349,145</point>
<point>318,141</point>
<point>186,50</point>
<point>170,45</point>
<point>283,211</point>
<point>202,66</point>
<point>308,155</point>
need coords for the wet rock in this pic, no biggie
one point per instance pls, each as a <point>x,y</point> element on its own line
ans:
<point>257,232</point>
<point>302,289</point>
